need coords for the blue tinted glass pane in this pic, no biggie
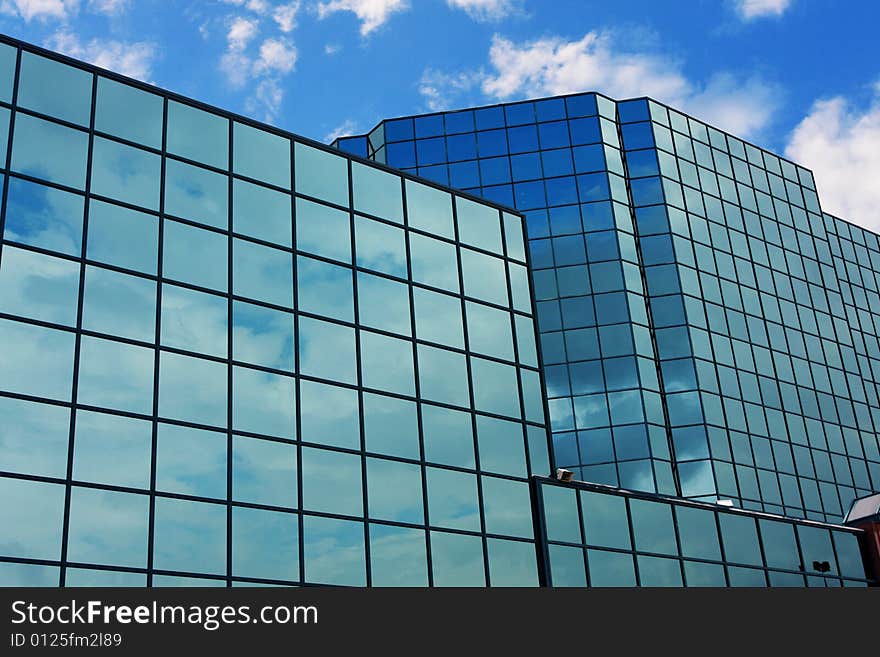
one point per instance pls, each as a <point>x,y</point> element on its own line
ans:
<point>261,155</point>
<point>457,560</point>
<point>130,113</point>
<point>34,438</point>
<point>334,551</point>
<point>321,174</point>
<point>191,461</point>
<point>196,194</point>
<point>341,427</point>
<point>44,217</point>
<point>323,230</point>
<point>49,151</point>
<point>56,89</point>
<point>331,482</point>
<point>126,173</point>
<point>198,135</point>
<point>191,255</point>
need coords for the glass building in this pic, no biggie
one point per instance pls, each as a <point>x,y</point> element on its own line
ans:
<point>707,331</point>
<point>229,355</point>
<point>232,356</point>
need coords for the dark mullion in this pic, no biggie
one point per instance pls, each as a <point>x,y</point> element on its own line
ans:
<point>230,441</point>
<point>68,489</point>
<point>296,364</point>
<point>156,357</point>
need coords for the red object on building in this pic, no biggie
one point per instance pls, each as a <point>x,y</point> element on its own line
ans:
<point>865,514</point>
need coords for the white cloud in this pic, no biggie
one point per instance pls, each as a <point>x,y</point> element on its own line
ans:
<point>134,59</point>
<point>371,13</point>
<point>344,129</point>
<point>440,90</point>
<point>841,144</point>
<point>285,16</point>
<point>332,48</point>
<point>241,31</point>
<point>751,9</point>
<point>276,56</point>
<point>266,100</point>
<point>61,10</point>
<point>553,65</point>
<point>40,9</point>
<point>110,7</point>
<point>486,10</point>
<point>256,6</point>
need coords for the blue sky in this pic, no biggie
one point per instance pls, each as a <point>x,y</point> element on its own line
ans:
<point>800,77</point>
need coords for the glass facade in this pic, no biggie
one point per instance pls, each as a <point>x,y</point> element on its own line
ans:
<point>601,536</point>
<point>231,356</point>
<point>707,331</point>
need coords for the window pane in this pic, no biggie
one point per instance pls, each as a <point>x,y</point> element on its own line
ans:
<point>377,192</point>
<point>50,151</point>
<point>194,321</point>
<point>262,213</point>
<point>495,388</point>
<point>438,318</point>
<point>655,571</point>
<point>56,89</point>
<point>198,135</point>
<point>429,209</point>
<point>434,262</point>
<point>192,389</point>
<point>501,446</point>
<point>611,568</point>
<point>652,527</point>
<point>453,500</point>
<point>196,194</point>
<point>449,437</point>
<point>262,273</point>
<point>108,528</point>
<point>489,331</point>
<point>8,55</point>
<point>817,550</point>
<point>39,286</point>
<point>704,574</point>
<point>512,563</point>
<point>478,225</point>
<point>111,449</point>
<point>33,438</point>
<point>125,238</point>
<point>567,566</point>
<point>325,289</point>
<point>327,350</point>
<point>37,361</point>
<point>44,217</point>
<point>849,555</point>
<point>189,536</point>
<point>330,415</point>
<point>263,402</point>
<point>129,113</point>
<point>398,556</point>
<point>334,551</point>
<point>780,545</point>
<point>321,174</point>
<point>740,538</point>
<point>332,482</point>
<point>191,461</point>
<point>22,502</point>
<point>323,230</point>
<point>119,304</point>
<point>261,155</point>
<point>265,544</point>
<point>443,376</point>
<point>115,375</point>
<point>126,173</point>
<point>84,577</point>
<point>387,363</point>
<point>457,560</point>
<point>383,304</point>
<point>380,247</point>
<point>484,277</point>
<point>394,491</point>
<point>391,426</point>
<point>507,506</point>
<point>193,255</point>
<point>605,520</point>
<point>264,472</point>
<point>262,336</point>
<point>698,533</point>
<point>513,235</point>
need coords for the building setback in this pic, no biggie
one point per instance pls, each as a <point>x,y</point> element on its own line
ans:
<point>233,356</point>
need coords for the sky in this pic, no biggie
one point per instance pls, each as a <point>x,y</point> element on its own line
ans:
<point>798,77</point>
